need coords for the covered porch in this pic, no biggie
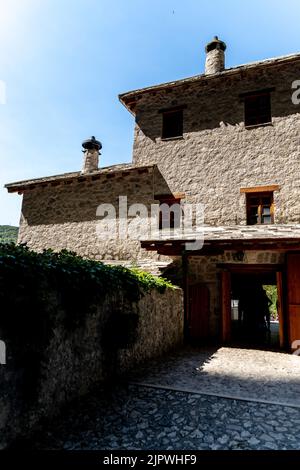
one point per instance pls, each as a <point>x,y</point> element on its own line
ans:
<point>224,279</point>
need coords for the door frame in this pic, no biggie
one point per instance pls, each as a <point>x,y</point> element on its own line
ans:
<point>289,306</point>
<point>226,276</point>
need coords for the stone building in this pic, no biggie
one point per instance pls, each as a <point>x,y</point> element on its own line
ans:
<point>227,139</point>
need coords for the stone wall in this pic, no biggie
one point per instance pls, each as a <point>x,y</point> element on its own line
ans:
<point>64,215</point>
<point>77,359</point>
<point>217,155</point>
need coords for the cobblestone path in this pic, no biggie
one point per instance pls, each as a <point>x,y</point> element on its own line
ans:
<point>141,417</point>
<point>228,372</point>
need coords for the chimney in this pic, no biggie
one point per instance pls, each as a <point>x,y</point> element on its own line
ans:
<point>215,56</point>
<point>91,152</point>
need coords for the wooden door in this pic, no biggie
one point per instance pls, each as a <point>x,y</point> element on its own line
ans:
<point>198,311</point>
<point>293,289</point>
<point>226,306</point>
<point>280,306</point>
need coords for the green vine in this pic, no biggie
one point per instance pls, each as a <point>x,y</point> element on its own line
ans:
<point>27,277</point>
<point>39,291</point>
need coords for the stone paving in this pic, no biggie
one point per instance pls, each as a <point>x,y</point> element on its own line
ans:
<point>140,417</point>
<point>228,372</point>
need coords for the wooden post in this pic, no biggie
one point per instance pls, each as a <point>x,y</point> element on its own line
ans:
<point>293,294</point>
<point>185,266</point>
<point>280,309</point>
<point>226,306</point>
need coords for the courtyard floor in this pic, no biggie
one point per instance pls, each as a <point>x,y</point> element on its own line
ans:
<point>193,399</point>
<point>250,374</point>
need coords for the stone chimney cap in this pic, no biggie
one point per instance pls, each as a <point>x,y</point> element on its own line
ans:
<point>216,43</point>
<point>92,144</point>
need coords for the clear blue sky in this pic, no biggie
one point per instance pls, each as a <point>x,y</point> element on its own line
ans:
<point>64,63</point>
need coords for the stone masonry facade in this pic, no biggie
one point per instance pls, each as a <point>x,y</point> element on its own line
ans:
<point>63,216</point>
<point>217,155</point>
<point>215,160</point>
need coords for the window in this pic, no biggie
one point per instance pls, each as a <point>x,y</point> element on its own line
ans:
<point>169,212</point>
<point>172,125</point>
<point>260,208</point>
<point>257,108</point>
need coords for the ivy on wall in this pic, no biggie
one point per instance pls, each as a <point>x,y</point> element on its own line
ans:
<point>41,290</point>
<point>26,273</point>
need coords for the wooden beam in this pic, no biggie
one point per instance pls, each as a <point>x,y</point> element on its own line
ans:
<point>177,251</point>
<point>169,252</point>
<point>219,248</point>
<point>171,109</point>
<point>226,307</point>
<point>280,309</point>
<point>279,247</point>
<point>256,92</point>
<point>168,196</point>
<point>185,269</point>
<point>238,268</point>
<point>261,189</point>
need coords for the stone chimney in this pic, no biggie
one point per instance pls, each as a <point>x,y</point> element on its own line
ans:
<point>91,152</point>
<point>215,56</point>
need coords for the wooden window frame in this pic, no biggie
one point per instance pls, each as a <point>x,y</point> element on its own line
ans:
<point>165,132</point>
<point>261,189</point>
<point>259,195</point>
<point>170,200</point>
<point>254,117</point>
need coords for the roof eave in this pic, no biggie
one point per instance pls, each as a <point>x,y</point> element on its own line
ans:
<point>131,97</point>
<point>22,186</point>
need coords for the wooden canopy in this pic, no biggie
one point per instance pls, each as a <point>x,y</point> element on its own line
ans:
<point>217,247</point>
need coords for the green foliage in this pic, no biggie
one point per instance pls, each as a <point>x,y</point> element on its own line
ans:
<point>147,281</point>
<point>80,280</point>
<point>271,292</point>
<point>8,234</point>
<point>40,291</point>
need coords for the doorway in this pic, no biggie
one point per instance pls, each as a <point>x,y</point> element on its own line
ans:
<point>254,316</point>
<point>252,307</point>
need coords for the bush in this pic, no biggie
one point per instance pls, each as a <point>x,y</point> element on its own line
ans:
<point>8,234</point>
